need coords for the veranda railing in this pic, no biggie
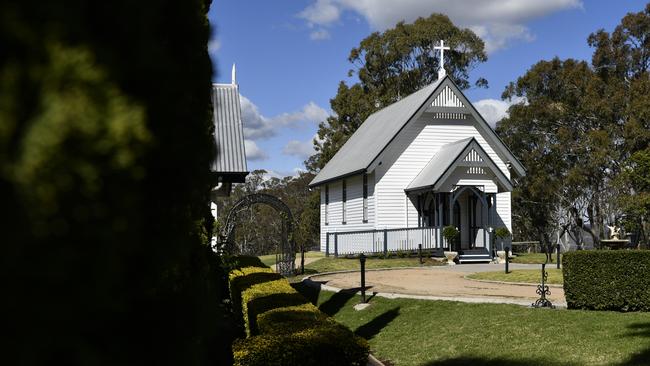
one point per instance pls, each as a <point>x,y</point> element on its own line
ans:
<point>382,241</point>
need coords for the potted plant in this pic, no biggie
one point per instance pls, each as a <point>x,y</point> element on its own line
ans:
<point>450,233</point>
<point>502,233</point>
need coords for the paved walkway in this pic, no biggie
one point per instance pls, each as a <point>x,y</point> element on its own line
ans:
<point>442,283</point>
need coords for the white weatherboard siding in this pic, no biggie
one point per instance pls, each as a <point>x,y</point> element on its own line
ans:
<point>407,155</point>
<point>503,210</point>
<point>354,208</point>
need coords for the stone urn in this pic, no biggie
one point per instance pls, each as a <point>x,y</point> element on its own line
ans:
<point>451,256</point>
<point>501,255</point>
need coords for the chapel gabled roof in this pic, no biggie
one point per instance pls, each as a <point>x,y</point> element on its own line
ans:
<point>372,136</point>
<point>381,127</point>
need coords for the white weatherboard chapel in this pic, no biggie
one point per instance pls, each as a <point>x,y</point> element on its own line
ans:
<point>425,162</point>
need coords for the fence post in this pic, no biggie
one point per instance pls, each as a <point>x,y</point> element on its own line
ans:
<point>327,244</point>
<point>336,244</point>
<point>558,256</point>
<point>507,260</point>
<point>385,242</point>
<point>420,252</point>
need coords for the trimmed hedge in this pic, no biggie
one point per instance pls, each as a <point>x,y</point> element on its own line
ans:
<point>241,279</point>
<point>242,261</point>
<point>283,328</point>
<point>295,318</point>
<point>263,297</point>
<point>607,280</point>
<point>325,345</point>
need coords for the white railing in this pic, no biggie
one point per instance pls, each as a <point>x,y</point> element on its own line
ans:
<point>383,241</point>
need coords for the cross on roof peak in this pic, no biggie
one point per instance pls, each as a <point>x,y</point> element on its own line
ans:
<point>441,64</point>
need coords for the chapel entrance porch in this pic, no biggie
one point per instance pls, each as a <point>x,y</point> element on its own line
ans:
<point>468,208</point>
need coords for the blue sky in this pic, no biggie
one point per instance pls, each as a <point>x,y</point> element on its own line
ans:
<point>291,55</point>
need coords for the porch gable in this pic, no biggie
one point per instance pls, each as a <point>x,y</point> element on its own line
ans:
<point>463,153</point>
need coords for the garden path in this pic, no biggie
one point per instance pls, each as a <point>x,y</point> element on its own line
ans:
<point>440,283</point>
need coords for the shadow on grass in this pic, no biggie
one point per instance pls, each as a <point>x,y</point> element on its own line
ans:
<point>335,303</point>
<point>639,330</point>
<point>474,361</point>
<point>311,293</point>
<point>373,327</point>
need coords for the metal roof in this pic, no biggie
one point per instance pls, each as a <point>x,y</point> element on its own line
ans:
<point>379,129</point>
<point>450,156</point>
<point>372,136</point>
<point>228,130</point>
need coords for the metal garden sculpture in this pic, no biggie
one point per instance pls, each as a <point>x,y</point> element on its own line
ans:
<point>286,253</point>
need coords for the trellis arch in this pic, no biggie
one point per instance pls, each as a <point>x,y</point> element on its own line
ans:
<point>285,253</point>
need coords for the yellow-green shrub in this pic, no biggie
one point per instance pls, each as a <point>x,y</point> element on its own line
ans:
<point>290,319</point>
<point>327,344</point>
<point>266,296</point>
<point>243,278</point>
<point>283,328</point>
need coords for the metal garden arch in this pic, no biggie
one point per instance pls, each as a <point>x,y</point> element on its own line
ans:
<point>286,251</point>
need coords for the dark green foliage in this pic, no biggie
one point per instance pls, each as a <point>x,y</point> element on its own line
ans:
<point>241,261</point>
<point>607,280</point>
<point>450,232</point>
<point>284,328</point>
<point>105,147</point>
<point>502,232</point>
<point>579,134</point>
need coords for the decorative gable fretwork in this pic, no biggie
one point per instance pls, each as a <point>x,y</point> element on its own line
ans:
<point>449,103</point>
<point>475,170</point>
<point>473,157</point>
<point>447,98</point>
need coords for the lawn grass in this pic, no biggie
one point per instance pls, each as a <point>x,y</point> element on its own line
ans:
<point>419,332</point>
<point>331,264</point>
<point>269,259</point>
<point>532,258</point>
<point>521,275</point>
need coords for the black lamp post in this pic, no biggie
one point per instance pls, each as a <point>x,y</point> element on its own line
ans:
<point>362,261</point>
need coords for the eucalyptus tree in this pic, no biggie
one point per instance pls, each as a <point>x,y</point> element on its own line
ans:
<point>581,127</point>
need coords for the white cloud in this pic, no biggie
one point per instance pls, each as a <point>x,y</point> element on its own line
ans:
<point>258,126</point>
<point>494,110</point>
<point>254,152</point>
<point>300,149</point>
<point>321,12</point>
<point>498,22</point>
<point>270,173</point>
<point>319,35</point>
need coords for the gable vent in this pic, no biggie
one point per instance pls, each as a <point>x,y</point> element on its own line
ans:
<point>475,170</point>
<point>447,98</point>
<point>473,156</point>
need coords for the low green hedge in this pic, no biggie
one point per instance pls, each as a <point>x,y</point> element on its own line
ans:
<point>607,280</point>
<point>294,318</point>
<point>328,344</point>
<point>241,261</point>
<point>263,297</point>
<point>241,279</point>
<point>283,328</point>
